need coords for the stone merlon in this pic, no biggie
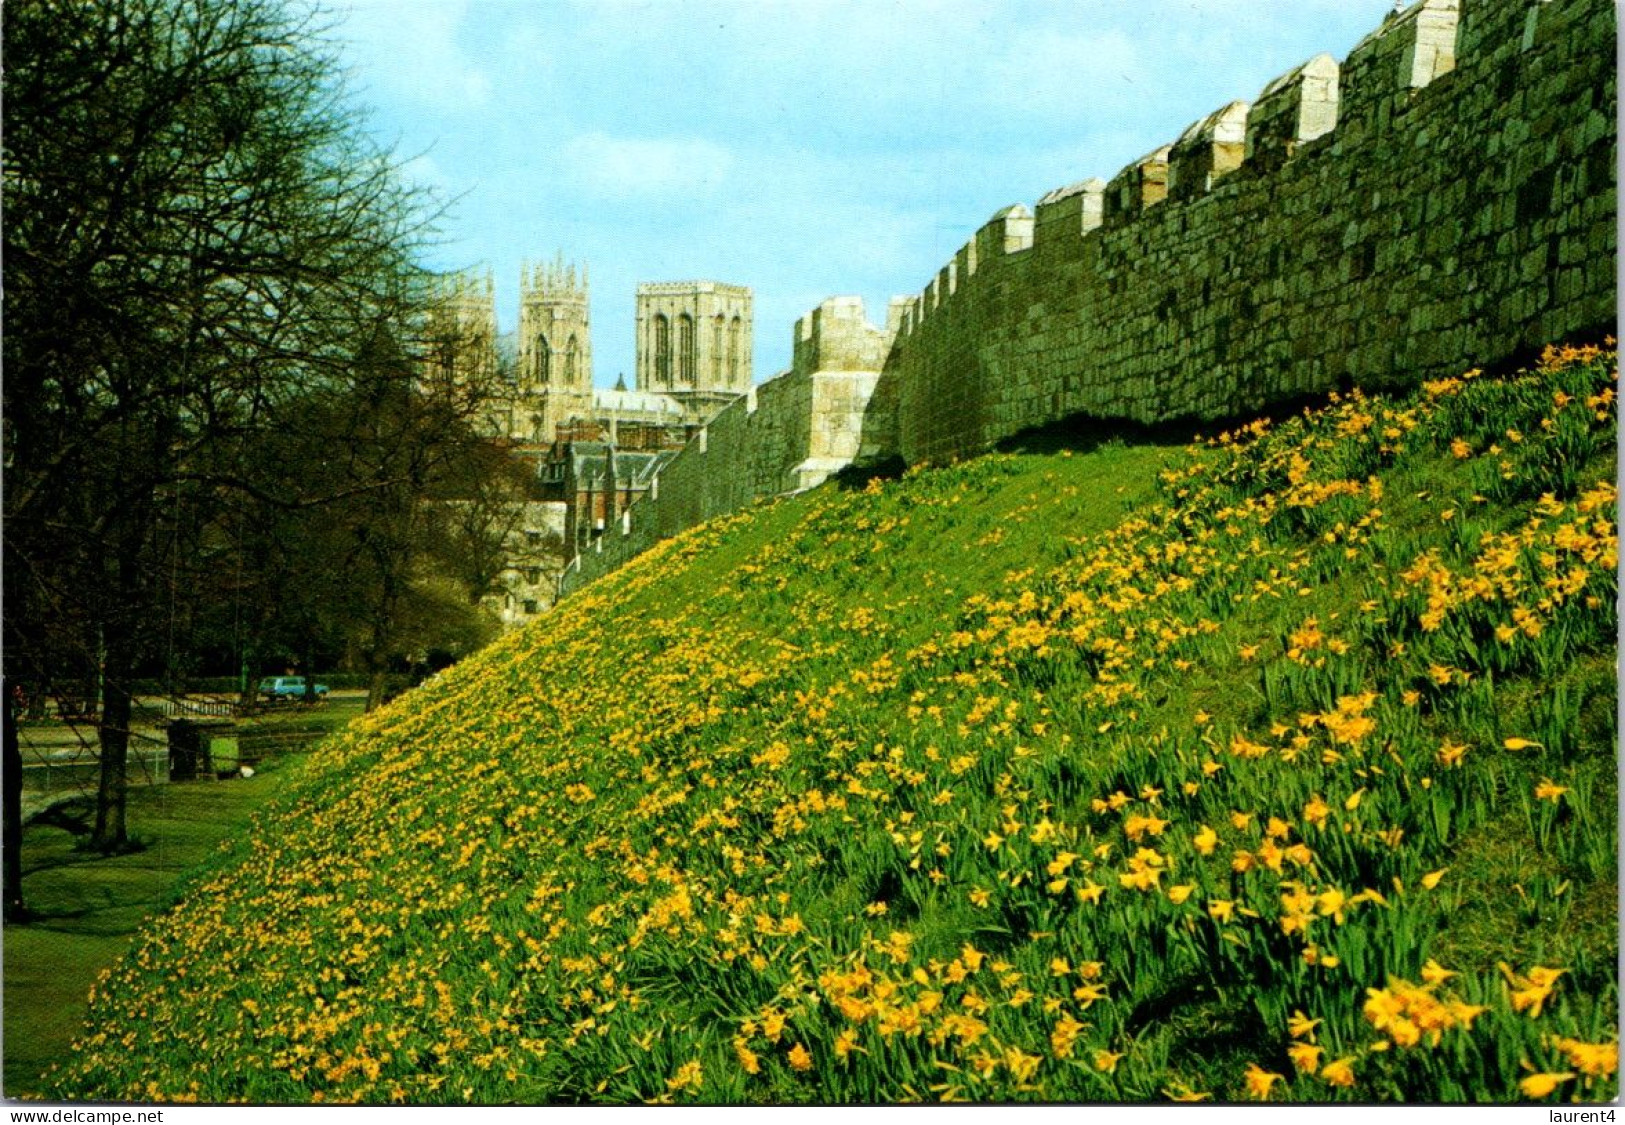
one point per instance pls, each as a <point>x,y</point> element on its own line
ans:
<point>1297,107</point>
<point>836,337</point>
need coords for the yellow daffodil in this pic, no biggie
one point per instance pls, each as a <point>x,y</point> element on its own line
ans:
<point>1339,1072</point>
<point>1205,840</point>
<point>1530,993</point>
<point>846,1042</point>
<point>1086,994</point>
<point>1260,1081</point>
<point>1598,1060</point>
<point>1305,1057</point>
<point>1064,1036</point>
<point>1542,1085</point>
<point>689,1076</point>
<point>773,1025</point>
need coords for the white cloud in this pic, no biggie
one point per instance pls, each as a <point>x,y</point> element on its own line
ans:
<point>645,168</point>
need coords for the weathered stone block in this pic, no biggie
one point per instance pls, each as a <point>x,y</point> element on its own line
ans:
<point>1009,231</point>
<point>1208,149</point>
<point>1142,184</point>
<point>1070,211</point>
<point>1297,107</point>
<point>1406,53</point>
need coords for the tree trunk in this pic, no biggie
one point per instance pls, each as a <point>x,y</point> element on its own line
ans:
<point>118,649</point>
<point>111,834</point>
<point>15,911</point>
<point>375,690</point>
<point>249,686</point>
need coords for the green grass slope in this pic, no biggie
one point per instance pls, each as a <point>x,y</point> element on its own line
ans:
<point>1280,766</point>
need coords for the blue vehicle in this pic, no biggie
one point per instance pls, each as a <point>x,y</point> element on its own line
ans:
<point>287,689</point>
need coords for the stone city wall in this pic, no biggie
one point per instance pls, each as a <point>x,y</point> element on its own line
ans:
<point>1444,199</point>
<point>788,434</point>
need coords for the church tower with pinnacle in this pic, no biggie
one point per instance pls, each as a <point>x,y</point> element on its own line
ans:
<point>462,329</point>
<point>555,348</point>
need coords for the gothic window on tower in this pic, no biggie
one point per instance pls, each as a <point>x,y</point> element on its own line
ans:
<point>685,349</point>
<point>544,360</point>
<point>662,350</point>
<point>733,350</point>
<point>572,353</point>
<point>716,347</point>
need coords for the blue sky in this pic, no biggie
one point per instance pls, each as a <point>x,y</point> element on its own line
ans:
<point>806,148</point>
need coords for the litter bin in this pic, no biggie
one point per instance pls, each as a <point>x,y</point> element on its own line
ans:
<point>201,749</point>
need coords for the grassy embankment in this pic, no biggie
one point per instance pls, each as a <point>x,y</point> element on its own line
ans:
<point>84,907</point>
<point>1279,766</point>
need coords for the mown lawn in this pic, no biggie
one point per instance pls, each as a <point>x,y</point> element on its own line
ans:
<point>85,907</point>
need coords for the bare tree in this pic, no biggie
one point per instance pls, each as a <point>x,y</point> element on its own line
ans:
<point>198,239</point>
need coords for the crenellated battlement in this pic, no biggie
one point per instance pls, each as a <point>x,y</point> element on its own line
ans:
<point>1140,185</point>
<point>1409,51</point>
<point>1210,148</point>
<point>1406,53</point>
<point>667,288</point>
<point>1075,209</point>
<point>1293,221</point>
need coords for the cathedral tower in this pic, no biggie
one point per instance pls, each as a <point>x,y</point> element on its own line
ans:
<point>462,329</point>
<point>555,348</point>
<point>460,344</point>
<point>694,342</point>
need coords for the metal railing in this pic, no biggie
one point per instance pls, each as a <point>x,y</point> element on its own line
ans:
<point>221,708</point>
